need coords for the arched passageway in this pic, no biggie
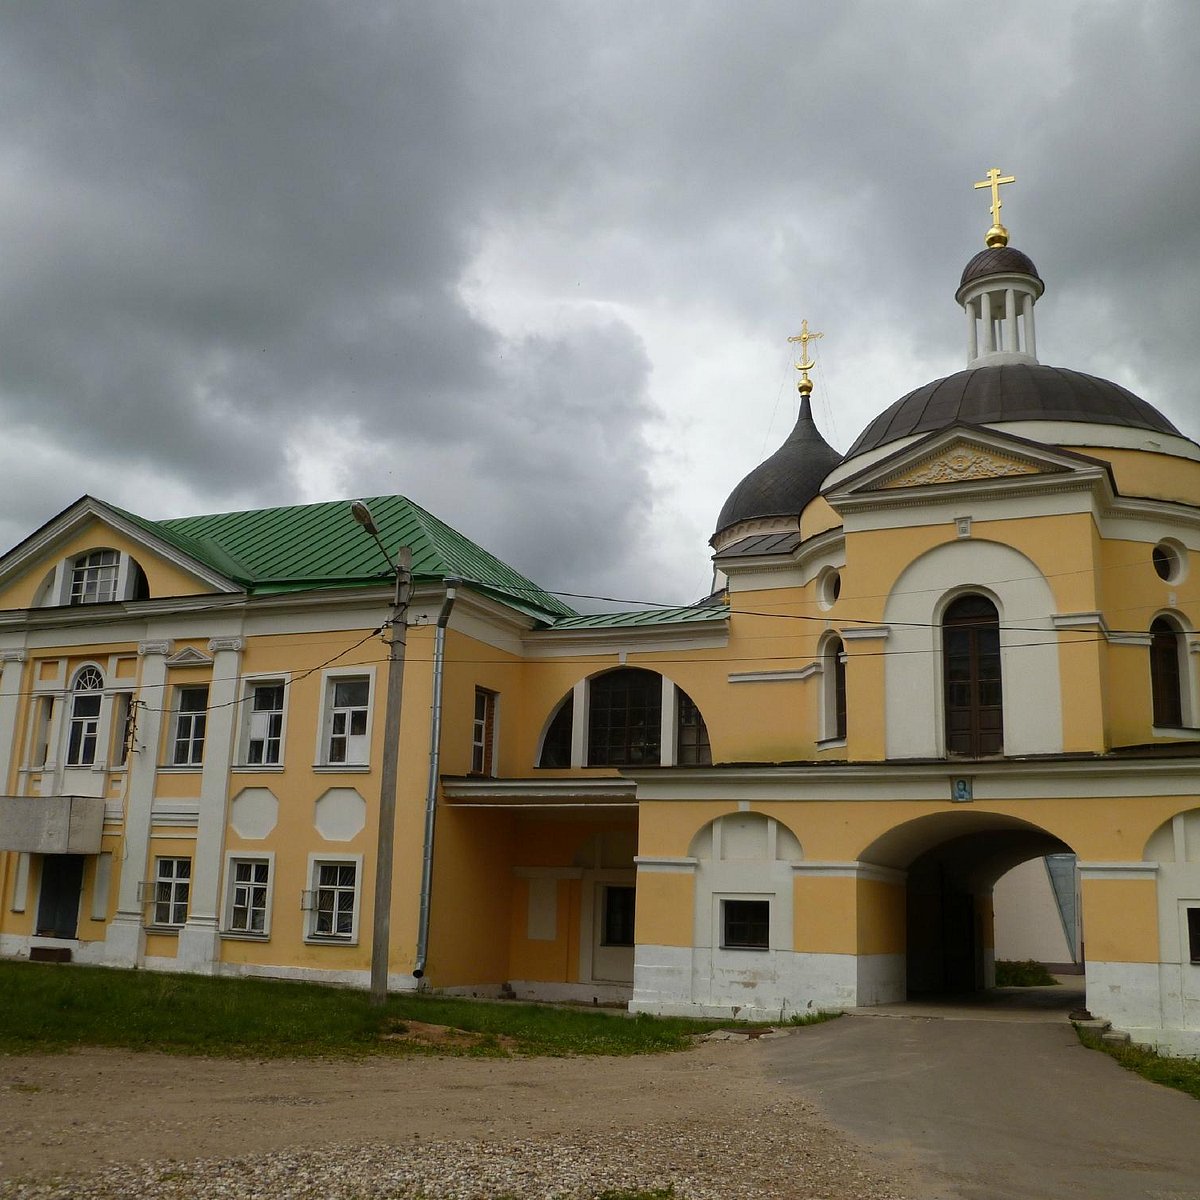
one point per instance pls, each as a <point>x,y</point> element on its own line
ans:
<point>951,862</point>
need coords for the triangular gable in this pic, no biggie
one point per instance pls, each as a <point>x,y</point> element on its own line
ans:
<point>189,656</point>
<point>38,552</point>
<point>965,455</point>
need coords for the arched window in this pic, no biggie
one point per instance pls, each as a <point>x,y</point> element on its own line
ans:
<point>833,717</point>
<point>628,724</point>
<point>84,730</point>
<point>971,678</point>
<point>1165,678</point>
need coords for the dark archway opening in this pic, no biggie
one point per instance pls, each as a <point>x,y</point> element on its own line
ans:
<point>949,906</point>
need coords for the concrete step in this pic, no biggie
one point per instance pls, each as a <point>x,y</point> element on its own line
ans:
<point>1115,1037</point>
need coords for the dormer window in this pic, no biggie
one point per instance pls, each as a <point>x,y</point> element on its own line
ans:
<point>101,575</point>
<point>94,577</point>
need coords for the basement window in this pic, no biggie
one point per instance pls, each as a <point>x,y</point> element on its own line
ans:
<point>1193,920</point>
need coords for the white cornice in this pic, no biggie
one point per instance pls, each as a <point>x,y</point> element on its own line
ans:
<point>627,639</point>
<point>565,792</point>
<point>1004,780</point>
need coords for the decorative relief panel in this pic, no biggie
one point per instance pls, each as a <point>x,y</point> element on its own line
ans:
<point>960,464</point>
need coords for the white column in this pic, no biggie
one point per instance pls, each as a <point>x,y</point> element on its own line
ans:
<point>199,939</point>
<point>579,724</point>
<point>1030,340</point>
<point>1010,321</point>
<point>989,328</point>
<point>125,940</point>
<point>10,695</point>
<point>972,332</point>
<point>670,725</point>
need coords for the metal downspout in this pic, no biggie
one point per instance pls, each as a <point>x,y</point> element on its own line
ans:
<point>435,754</point>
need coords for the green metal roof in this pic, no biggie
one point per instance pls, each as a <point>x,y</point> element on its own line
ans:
<point>307,546</point>
<point>643,617</point>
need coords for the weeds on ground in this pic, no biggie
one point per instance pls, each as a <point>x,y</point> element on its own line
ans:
<point>811,1018</point>
<point>1182,1074</point>
<point>1023,974</point>
<point>55,1007</point>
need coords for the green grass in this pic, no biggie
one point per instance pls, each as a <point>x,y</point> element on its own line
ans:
<point>1182,1074</point>
<point>49,1007</point>
<point>1023,974</point>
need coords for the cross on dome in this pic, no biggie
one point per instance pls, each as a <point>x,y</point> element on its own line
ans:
<point>997,235</point>
<point>805,385</point>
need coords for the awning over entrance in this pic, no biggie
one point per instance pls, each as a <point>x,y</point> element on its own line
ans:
<point>51,824</point>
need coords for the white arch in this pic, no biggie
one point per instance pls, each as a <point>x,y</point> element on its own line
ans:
<point>1028,647</point>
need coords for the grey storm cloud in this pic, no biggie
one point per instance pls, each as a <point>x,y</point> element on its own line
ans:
<point>461,243</point>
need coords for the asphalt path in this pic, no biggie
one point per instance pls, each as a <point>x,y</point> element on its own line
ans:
<point>982,1103</point>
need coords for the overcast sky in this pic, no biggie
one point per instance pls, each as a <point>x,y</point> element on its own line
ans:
<point>534,265</point>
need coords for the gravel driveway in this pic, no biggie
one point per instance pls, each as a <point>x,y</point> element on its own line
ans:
<point>708,1122</point>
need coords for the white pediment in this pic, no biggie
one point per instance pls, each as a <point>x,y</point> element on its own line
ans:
<point>189,657</point>
<point>964,459</point>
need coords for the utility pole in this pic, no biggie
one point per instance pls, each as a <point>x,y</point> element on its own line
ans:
<point>389,772</point>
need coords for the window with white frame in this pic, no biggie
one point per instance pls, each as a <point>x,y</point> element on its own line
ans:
<point>94,577</point>
<point>191,718</point>
<point>334,901</point>
<point>172,888</point>
<point>264,723</point>
<point>347,723</point>
<point>483,733</point>
<point>84,726</point>
<point>249,896</point>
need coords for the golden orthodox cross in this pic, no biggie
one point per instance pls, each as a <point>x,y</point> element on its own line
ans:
<point>804,366</point>
<point>994,180</point>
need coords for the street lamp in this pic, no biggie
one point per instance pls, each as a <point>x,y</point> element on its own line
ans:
<point>381,926</point>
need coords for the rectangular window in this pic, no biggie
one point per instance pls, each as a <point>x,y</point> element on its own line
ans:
<point>335,900</point>
<point>85,726</point>
<point>249,880</point>
<point>349,701</point>
<point>172,887</point>
<point>1193,920</point>
<point>745,924</point>
<point>191,713</point>
<point>94,577</point>
<point>483,732</point>
<point>264,737</point>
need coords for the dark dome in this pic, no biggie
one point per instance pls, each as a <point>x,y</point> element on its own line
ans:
<point>1012,392</point>
<point>788,480</point>
<point>998,260</point>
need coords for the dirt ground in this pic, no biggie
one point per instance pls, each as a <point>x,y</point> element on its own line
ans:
<point>83,1114</point>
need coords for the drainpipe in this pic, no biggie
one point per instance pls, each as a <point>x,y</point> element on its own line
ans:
<point>435,753</point>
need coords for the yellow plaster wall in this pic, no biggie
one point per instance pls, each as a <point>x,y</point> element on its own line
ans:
<point>881,916</point>
<point>1120,919</point>
<point>824,914</point>
<point>818,517</point>
<point>665,901</point>
<point>554,960</point>
<point>1144,473</point>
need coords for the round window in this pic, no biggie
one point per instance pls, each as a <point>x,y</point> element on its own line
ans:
<point>829,587</point>
<point>1170,560</point>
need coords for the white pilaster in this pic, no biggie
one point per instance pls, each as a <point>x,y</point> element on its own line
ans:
<point>972,330</point>
<point>989,325</point>
<point>1010,321</point>
<point>669,725</point>
<point>10,695</point>
<point>1030,340</point>
<point>125,941</point>
<point>199,943</point>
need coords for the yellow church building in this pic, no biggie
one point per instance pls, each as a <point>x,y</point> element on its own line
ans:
<point>967,643</point>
